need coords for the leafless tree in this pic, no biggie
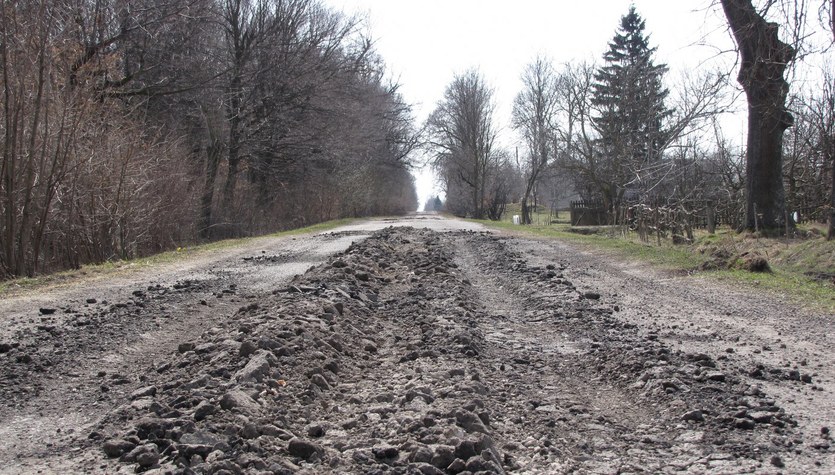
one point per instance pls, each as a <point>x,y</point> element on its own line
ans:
<point>462,132</point>
<point>810,165</point>
<point>85,177</point>
<point>248,25</point>
<point>35,130</point>
<point>694,102</point>
<point>534,110</point>
<point>118,116</point>
<point>575,133</point>
<point>822,112</point>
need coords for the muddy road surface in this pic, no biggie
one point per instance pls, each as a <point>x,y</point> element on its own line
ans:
<point>419,345</point>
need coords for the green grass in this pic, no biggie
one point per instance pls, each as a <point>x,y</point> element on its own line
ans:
<point>802,290</point>
<point>109,268</point>
<point>790,260</point>
<point>665,256</point>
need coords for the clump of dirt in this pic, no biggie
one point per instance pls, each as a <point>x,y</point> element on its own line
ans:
<point>752,262</point>
<point>806,253</point>
<point>719,258</point>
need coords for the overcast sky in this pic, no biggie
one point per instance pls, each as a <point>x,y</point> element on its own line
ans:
<point>426,42</point>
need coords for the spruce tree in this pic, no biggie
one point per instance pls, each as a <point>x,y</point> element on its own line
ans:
<point>629,97</point>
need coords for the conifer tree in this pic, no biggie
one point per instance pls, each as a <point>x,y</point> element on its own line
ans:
<point>629,97</point>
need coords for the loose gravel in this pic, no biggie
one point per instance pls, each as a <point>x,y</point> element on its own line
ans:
<point>416,351</point>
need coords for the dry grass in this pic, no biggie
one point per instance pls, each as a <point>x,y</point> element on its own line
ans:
<point>801,267</point>
<point>114,267</point>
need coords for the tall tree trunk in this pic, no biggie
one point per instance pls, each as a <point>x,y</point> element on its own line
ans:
<point>233,160</point>
<point>765,197</point>
<point>11,117</point>
<point>832,17</point>
<point>764,60</point>
<point>830,235</point>
<point>234,151</point>
<point>476,195</point>
<point>213,150</point>
<point>526,209</point>
<point>36,162</point>
<point>478,185</point>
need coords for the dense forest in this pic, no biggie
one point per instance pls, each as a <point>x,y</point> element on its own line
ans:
<point>130,127</point>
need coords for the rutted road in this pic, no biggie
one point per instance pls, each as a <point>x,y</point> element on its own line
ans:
<point>49,404</point>
<point>412,351</point>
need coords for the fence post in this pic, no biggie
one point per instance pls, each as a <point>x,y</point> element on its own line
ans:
<point>711,219</point>
<point>657,227</point>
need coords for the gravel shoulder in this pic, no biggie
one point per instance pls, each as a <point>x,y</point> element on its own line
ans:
<point>763,338</point>
<point>429,347</point>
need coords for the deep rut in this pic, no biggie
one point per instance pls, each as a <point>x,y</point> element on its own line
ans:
<point>415,351</point>
<point>583,421</point>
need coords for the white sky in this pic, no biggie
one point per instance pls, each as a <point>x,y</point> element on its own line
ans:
<point>426,42</point>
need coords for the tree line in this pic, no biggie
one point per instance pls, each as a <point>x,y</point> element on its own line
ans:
<point>621,131</point>
<point>130,127</point>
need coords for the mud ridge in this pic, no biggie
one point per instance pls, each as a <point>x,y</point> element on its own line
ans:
<point>423,352</point>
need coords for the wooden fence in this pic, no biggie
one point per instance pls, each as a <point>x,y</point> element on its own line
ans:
<point>808,214</point>
<point>701,213</point>
<point>657,218</point>
<point>589,213</point>
<point>662,217</point>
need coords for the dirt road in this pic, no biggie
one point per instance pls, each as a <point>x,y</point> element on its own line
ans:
<point>431,347</point>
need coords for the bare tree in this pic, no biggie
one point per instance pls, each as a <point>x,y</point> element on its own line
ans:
<point>35,133</point>
<point>534,110</point>
<point>695,100</point>
<point>817,120</point>
<point>117,119</point>
<point>575,133</point>
<point>502,176</point>
<point>462,133</point>
<point>247,26</point>
<point>825,122</point>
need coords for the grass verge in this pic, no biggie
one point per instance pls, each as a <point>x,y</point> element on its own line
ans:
<point>113,267</point>
<point>801,269</point>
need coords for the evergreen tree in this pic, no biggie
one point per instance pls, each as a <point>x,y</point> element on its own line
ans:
<point>438,204</point>
<point>629,97</point>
